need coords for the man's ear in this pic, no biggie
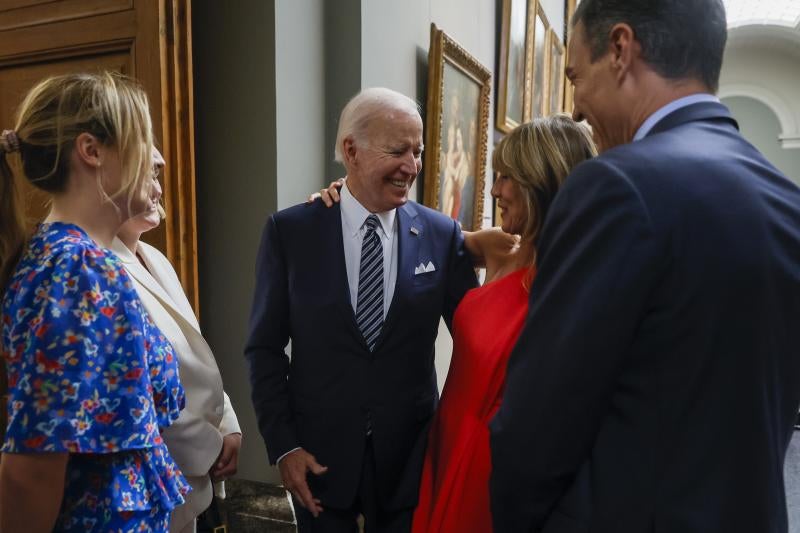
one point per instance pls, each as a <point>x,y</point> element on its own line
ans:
<point>624,48</point>
<point>89,150</point>
<point>349,150</point>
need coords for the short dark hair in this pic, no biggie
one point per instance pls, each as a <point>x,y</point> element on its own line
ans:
<point>680,38</point>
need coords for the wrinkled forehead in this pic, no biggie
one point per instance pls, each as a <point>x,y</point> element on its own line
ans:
<point>396,126</point>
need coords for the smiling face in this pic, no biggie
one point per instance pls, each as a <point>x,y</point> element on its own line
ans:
<point>149,216</point>
<point>383,166</point>
<point>512,204</point>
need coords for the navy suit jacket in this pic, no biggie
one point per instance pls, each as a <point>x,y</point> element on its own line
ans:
<point>322,397</point>
<point>657,378</point>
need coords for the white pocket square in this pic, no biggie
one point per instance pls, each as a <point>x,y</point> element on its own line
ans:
<point>423,268</point>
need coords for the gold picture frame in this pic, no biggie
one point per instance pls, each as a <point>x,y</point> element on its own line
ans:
<point>539,82</point>
<point>456,131</point>
<point>555,75</point>
<point>516,64</point>
<point>569,99</point>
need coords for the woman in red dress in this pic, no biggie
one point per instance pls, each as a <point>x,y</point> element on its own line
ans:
<point>530,164</point>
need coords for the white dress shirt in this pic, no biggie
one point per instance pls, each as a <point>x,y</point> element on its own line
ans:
<point>353,217</point>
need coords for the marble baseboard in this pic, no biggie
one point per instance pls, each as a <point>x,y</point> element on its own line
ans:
<point>255,507</point>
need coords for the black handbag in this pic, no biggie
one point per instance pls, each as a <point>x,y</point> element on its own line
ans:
<point>215,518</point>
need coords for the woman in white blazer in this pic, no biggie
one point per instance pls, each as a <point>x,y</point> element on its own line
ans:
<point>206,438</point>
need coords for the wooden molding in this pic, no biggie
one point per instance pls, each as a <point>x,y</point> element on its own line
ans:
<point>177,107</point>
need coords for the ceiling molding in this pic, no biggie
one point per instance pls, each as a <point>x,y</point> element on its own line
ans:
<point>790,142</point>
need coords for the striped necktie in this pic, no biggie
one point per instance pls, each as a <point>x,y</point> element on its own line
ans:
<point>369,307</point>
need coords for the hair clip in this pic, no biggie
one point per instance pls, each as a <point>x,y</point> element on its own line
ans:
<point>9,141</point>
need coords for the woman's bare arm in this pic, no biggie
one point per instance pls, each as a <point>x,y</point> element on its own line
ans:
<point>490,246</point>
<point>31,490</point>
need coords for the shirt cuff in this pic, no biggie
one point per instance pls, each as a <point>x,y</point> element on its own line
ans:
<point>287,453</point>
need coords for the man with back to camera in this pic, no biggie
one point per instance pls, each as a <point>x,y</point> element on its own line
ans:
<point>359,289</point>
<point>656,381</point>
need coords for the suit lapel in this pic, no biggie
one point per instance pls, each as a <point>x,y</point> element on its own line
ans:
<point>159,269</point>
<point>199,349</point>
<point>140,274</point>
<point>332,246</point>
<point>407,254</point>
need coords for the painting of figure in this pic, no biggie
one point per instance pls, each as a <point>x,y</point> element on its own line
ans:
<point>457,175</point>
<point>456,132</point>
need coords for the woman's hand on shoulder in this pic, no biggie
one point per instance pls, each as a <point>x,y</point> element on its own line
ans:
<point>490,245</point>
<point>329,195</point>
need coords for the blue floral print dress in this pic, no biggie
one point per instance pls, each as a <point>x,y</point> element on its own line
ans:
<point>90,374</point>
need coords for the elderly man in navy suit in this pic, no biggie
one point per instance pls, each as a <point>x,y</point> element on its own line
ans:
<point>359,289</point>
<point>657,379</point>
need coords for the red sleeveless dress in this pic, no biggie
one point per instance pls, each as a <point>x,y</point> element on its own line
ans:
<point>454,492</point>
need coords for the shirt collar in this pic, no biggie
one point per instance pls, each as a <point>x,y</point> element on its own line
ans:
<point>653,119</point>
<point>354,214</point>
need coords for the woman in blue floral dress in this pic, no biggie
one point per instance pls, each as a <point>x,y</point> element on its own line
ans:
<point>91,380</point>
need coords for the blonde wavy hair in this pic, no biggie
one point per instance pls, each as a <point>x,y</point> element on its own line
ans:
<point>538,156</point>
<point>111,107</point>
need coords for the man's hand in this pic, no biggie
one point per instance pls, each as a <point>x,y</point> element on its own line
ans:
<point>294,467</point>
<point>227,463</point>
<point>330,195</point>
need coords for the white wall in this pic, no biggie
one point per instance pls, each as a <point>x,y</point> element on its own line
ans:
<point>234,86</point>
<point>300,99</point>
<point>770,75</point>
<point>759,125</point>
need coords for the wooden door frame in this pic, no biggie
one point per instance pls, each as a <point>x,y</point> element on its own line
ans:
<point>169,88</point>
<point>177,109</point>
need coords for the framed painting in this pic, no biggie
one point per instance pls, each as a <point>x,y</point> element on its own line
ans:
<point>515,64</point>
<point>555,48</point>
<point>540,55</point>
<point>456,131</point>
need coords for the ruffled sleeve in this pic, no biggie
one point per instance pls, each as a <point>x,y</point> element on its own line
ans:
<point>76,351</point>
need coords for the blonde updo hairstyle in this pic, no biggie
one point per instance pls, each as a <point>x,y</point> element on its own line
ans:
<point>111,107</point>
<point>538,156</point>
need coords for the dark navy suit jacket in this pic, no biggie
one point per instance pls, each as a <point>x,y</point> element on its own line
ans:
<point>322,398</point>
<point>657,378</point>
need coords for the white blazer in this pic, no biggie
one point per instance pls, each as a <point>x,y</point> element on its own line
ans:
<point>195,439</point>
